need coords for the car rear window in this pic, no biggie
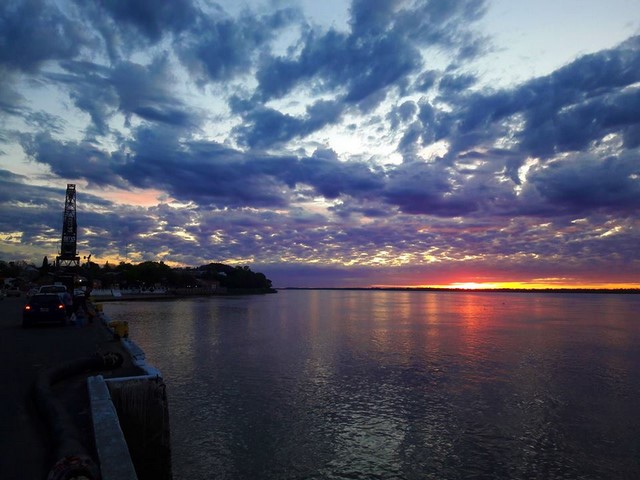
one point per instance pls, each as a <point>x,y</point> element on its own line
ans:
<point>45,300</point>
<point>53,289</point>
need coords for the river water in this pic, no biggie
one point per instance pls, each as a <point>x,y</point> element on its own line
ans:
<point>398,385</point>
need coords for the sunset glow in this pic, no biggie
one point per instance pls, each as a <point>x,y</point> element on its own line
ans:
<point>532,286</point>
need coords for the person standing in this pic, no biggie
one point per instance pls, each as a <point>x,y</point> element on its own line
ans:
<point>67,299</point>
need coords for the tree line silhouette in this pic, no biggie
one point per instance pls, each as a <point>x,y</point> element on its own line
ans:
<point>148,274</point>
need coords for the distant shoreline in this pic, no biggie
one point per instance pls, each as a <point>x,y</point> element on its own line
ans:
<point>141,297</point>
<point>626,291</point>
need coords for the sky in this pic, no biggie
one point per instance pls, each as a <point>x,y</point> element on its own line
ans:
<point>328,144</point>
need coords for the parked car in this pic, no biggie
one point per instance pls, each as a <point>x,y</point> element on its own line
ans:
<point>43,307</point>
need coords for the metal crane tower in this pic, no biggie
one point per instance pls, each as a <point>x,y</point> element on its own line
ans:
<point>68,254</point>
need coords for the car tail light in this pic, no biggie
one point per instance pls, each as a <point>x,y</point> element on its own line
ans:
<point>60,306</point>
<point>27,307</point>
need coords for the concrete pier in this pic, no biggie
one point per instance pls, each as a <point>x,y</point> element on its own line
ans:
<point>111,446</point>
<point>27,446</point>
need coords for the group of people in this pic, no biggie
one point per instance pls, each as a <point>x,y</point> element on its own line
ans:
<point>77,306</point>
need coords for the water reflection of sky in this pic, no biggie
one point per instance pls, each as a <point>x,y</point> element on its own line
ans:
<point>327,384</point>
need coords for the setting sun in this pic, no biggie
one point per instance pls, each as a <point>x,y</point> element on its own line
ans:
<point>474,285</point>
<point>533,285</point>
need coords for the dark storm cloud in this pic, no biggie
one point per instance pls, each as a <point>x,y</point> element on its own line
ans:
<point>12,186</point>
<point>210,173</point>
<point>220,47</point>
<point>73,159</point>
<point>332,178</point>
<point>150,17</point>
<point>413,134</point>
<point>565,111</point>
<point>361,66</point>
<point>583,102</point>
<point>420,188</point>
<point>129,26</point>
<point>11,101</point>
<point>442,24</point>
<point>203,172</point>
<point>264,127</point>
<point>571,111</point>
<point>402,113</point>
<point>129,88</point>
<point>91,89</point>
<point>437,124</point>
<point>425,81</point>
<point>34,31</point>
<point>454,84</point>
<point>147,92</point>
<point>584,183</point>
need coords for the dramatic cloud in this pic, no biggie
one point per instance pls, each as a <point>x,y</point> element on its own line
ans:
<point>221,47</point>
<point>367,149</point>
<point>585,183</point>
<point>150,18</point>
<point>71,159</point>
<point>34,31</point>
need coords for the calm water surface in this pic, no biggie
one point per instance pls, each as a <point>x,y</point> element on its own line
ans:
<point>398,385</point>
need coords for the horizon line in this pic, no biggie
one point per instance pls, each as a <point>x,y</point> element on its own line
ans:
<point>480,289</point>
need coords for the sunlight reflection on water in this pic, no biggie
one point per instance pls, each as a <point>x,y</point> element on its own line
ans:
<point>379,384</point>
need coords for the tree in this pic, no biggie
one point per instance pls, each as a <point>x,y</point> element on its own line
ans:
<point>152,273</point>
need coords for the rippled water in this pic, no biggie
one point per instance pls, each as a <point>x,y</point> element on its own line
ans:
<point>398,385</point>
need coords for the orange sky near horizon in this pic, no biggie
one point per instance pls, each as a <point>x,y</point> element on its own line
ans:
<point>536,285</point>
<point>533,284</point>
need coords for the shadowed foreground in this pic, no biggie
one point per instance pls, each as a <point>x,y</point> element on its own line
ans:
<point>26,447</point>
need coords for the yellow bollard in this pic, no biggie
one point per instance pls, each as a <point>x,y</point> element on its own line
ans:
<point>120,328</point>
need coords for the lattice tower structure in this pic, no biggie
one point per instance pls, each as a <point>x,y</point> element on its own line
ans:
<point>68,248</point>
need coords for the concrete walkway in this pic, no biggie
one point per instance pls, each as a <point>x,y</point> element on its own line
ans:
<point>26,451</point>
